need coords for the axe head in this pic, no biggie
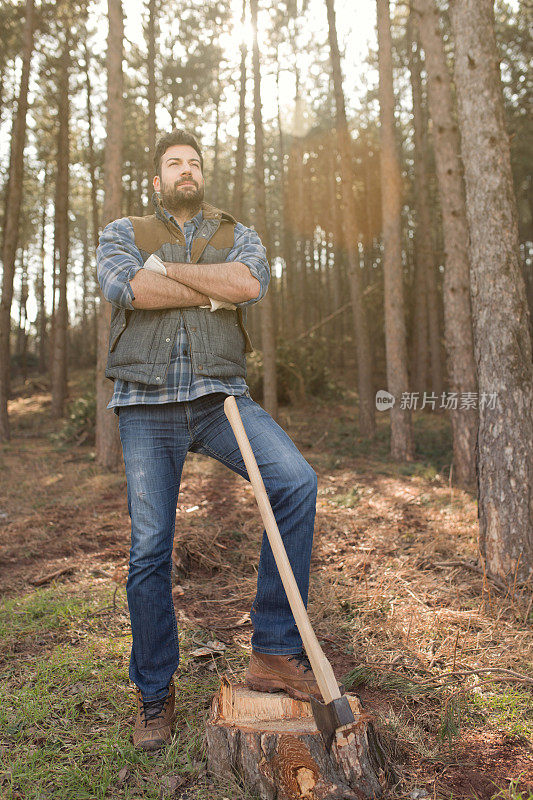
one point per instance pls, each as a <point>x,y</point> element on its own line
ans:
<point>331,716</point>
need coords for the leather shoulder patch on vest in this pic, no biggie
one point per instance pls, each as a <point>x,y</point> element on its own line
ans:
<point>151,233</point>
<point>222,238</point>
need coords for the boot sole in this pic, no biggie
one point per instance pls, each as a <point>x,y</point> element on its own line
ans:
<point>270,686</point>
<point>158,744</point>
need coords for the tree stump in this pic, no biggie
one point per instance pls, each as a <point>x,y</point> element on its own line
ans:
<point>272,743</point>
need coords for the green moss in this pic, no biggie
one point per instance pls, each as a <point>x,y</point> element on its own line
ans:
<point>66,705</point>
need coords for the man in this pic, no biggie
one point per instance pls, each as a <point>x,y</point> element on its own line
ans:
<point>179,282</point>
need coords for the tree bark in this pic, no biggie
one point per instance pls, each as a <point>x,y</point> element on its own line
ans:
<point>23,316</point>
<point>53,309</point>
<point>215,179</point>
<point>268,339</point>
<point>11,220</point>
<point>338,325</point>
<point>334,227</point>
<point>287,295</point>
<point>299,201</point>
<point>457,313</point>
<point>92,158</point>
<point>40,283</point>
<point>424,259</point>
<point>61,237</point>
<point>108,452</point>
<point>151,83</point>
<point>402,443</point>
<point>501,316</point>
<point>240,153</point>
<point>22,336</point>
<point>367,421</point>
<point>273,744</point>
<point>86,357</point>
<point>2,79</point>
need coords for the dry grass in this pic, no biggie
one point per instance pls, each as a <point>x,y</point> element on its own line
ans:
<point>395,597</point>
<point>395,567</point>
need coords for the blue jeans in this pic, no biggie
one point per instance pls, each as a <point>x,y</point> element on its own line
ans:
<point>155,441</point>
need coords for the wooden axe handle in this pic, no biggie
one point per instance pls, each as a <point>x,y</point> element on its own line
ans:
<point>321,667</point>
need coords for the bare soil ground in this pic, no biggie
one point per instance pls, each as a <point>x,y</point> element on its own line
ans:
<point>440,654</point>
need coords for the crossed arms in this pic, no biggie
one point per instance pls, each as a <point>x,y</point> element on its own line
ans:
<point>187,285</point>
<point>242,279</point>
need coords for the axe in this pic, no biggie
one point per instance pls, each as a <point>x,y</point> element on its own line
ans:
<point>335,711</point>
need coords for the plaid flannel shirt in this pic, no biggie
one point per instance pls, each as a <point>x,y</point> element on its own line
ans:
<point>118,260</point>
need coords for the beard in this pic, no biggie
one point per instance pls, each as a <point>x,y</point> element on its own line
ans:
<point>188,199</point>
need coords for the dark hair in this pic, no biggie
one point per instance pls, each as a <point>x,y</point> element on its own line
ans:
<point>167,140</point>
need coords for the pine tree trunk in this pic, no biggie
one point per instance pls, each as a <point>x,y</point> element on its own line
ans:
<point>215,178</point>
<point>2,79</point>
<point>423,243</point>
<point>500,312</point>
<point>139,193</point>
<point>367,421</point>
<point>23,348</point>
<point>23,300</point>
<point>40,288</point>
<point>434,328</point>
<point>297,206</point>
<point>108,451</point>
<point>240,152</point>
<point>11,219</point>
<point>402,443</point>
<point>527,264</point>
<point>338,325</point>
<point>61,238</point>
<point>306,265</point>
<point>91,153</point>
<point>457,313</point>
<point>291,254</point>
<point>287,295</point>
<point>268,339</point>
<point>151,83</point>
<point>300,265</point>
<point>84,289</point>
<point>53,310</point>
<point>334,227</point>
<point>368,239</point>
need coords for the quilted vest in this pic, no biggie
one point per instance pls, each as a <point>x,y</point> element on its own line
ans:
<point>141,340</point>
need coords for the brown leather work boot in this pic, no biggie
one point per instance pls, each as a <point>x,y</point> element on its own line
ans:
<point>292,674</point>
<point>153,724</point>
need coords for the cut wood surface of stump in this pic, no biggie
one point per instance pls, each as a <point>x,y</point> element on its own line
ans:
<point>272,743</point>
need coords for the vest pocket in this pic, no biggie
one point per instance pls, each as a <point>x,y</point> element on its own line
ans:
<point>223,339</point>
<point>118,326</point>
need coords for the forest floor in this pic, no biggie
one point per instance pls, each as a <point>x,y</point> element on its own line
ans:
<point>409,621</point>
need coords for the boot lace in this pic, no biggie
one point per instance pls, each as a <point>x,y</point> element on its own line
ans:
<point>301,661</point>
<point>152,709</point>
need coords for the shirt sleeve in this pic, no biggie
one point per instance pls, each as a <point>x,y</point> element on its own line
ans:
<point>117,260</point>
<point>249,250</point>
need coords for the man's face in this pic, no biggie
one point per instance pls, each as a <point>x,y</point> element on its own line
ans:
<point>181,185</point>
